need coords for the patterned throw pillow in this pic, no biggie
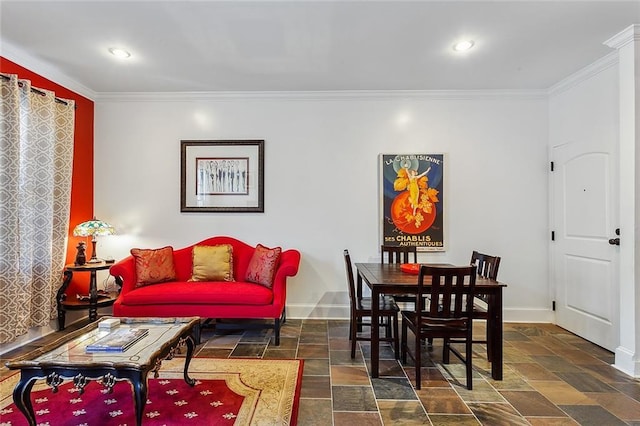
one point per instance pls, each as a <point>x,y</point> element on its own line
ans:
<point>263,265</point>
<point>154,265</point>
<point>212,263</point>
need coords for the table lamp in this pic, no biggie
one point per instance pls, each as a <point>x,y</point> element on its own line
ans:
<point>93,228</point>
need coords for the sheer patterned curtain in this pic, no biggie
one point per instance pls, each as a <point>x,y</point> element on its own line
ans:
<point>36,156</point>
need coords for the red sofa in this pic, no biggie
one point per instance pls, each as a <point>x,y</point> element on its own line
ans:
<point>210,300</point>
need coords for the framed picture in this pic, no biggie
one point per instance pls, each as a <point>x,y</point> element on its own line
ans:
<point>222,176</point>
<point>412,200</point>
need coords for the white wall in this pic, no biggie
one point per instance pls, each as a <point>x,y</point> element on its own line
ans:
<point>321,181</point>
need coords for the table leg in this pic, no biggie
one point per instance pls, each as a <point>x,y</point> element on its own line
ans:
<point>93,297</point>
<point>190,349</point>
<point>60,296</point>
<point>140,390</point>
<point>359,297</point>
<point>375,332</point>
<point>22,397</point>
<point>495,316</point>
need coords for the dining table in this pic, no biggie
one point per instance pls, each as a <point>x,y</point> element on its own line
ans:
<point>390,279</point>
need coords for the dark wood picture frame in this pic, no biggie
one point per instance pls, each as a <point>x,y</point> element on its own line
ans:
<point>222,176</point>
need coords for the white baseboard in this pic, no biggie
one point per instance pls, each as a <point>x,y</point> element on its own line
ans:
<point>334,311</point>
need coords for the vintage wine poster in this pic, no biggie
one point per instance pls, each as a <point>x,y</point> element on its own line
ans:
<point>412,200</point>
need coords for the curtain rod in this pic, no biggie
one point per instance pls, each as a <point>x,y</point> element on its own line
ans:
<point>34,90</point>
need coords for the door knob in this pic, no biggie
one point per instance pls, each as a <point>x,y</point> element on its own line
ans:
<point>614,241</point>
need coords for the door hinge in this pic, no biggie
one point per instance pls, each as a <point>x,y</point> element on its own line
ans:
<point>553,235</point>
<point>552,166</point>
<point>553,305</point>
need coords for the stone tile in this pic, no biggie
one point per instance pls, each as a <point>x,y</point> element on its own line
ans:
<point>393,388</point>
<point>531,403</point>
<point>223,341</point>
<point>406,413</point>
<point>248,350</point>
<point>557,364</point>
<point>580,357</point>
<point>314,338</point>
<point>279,353</point>
<point>316,367</point>
<point>561,393</point>
<point>497,414</point>
<point>621,406</point>
<point>630,389</point>
<point>390,368</point>
<point>315,412</point>
<point>360,419</point>
<point>482,392</point>
<point>591,415</point>
<point>344,358</point>
<point>551,421</point>
<point>314,326</point>
<point>313,351</point>
<point>607,374</point>
<point>353,398</point>
<point>316,387</point>
<point>453,420</point>
<point>431,377</point>
<point>585,382</point>
<point>531,348</point>
<point>341,344</point>
<point>533,371</point>
<point>206,352</point>
<point>442,400</point>
<point>285,343</point>
<point>349,375</point>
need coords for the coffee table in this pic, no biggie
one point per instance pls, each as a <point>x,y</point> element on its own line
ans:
<point>66,358</point>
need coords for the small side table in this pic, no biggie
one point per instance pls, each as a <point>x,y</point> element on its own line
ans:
<point>93,303</point>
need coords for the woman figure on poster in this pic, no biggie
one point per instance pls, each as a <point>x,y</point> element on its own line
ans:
<point>413,188</point>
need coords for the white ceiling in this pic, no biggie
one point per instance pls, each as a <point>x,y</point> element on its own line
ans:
<point>183,46</point>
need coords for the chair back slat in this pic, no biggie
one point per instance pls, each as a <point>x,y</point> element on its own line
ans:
<point>394,254</point>
<point>486,265</point>
<point>452,290</point>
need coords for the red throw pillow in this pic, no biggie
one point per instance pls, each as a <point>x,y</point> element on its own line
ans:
<point>263,265</point>
<point>154,265</point>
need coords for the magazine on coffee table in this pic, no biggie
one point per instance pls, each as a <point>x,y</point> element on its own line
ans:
<point>118,340</point>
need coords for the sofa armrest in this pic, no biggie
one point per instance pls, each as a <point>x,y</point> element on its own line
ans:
<point>125,271</point>
<point>288,267</point>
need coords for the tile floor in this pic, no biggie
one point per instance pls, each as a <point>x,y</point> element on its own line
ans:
<point>551,377</point>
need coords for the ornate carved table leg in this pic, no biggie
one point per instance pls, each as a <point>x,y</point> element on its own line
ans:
<point>140,390</point>
<point>22,398</point>
<point>190,348</point>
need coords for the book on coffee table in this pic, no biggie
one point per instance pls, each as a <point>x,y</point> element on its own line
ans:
<point>118,340</point>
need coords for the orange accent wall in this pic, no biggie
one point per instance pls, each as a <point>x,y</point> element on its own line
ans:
<point>82,175</point>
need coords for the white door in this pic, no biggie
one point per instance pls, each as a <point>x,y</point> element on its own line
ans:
<point>584,261</point>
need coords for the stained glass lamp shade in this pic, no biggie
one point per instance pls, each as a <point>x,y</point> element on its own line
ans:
<point>93,228</point>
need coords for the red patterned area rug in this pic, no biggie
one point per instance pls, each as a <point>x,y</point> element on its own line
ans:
<point>227,392</point>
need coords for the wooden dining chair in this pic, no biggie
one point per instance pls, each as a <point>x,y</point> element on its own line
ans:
<point>486,266</point>
<point>361,309</point>
<point>393,254</point>
<point>450,319</point>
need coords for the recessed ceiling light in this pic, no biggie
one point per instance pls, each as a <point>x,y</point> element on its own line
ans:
<point>119,53</point>
<point>461,46</point>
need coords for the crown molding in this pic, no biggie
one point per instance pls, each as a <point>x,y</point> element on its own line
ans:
<point>342,95</point>
<point>20,57</point>
<point>624,37</point>
<point>584,74</point>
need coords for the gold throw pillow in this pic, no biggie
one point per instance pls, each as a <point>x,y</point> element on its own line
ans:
<point>212,263</point>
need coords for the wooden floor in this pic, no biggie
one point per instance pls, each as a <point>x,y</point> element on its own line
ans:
<point>551,377</point>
